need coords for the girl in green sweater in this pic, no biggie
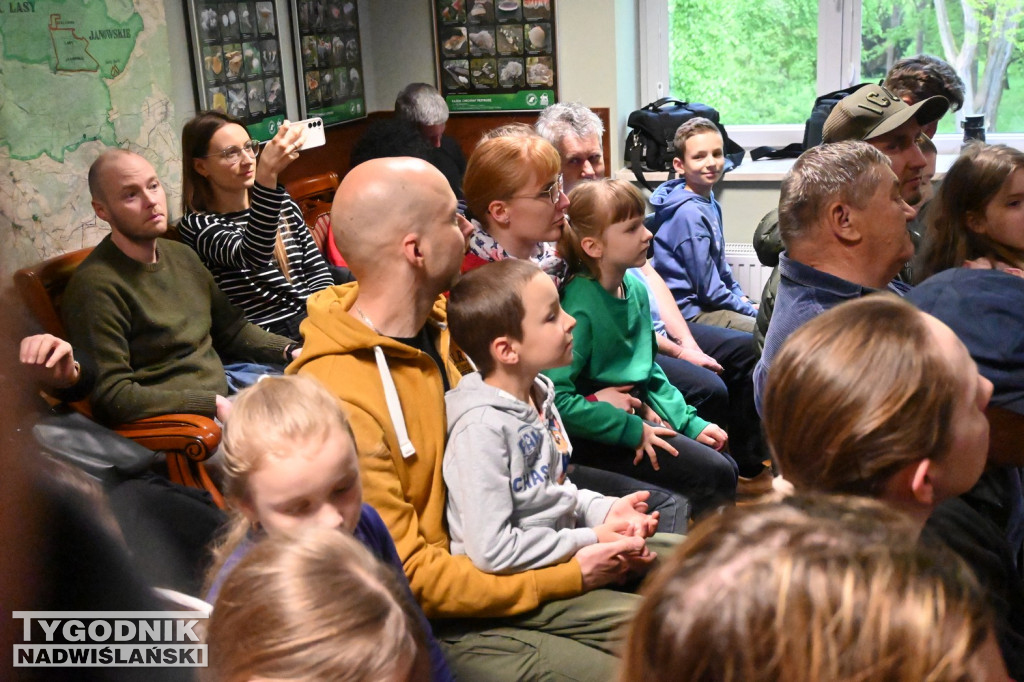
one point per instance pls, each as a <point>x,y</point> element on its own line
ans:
<point>662,441</point>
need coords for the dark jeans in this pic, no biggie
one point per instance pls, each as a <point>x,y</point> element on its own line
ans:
<point>674,508</point>
<point>736,353</point>
<point>703,389</point>
<point>706,477</point>
<point>168,528</point>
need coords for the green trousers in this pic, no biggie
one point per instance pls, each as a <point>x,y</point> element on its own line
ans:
<point>570,639</point>
<point>729,319</point>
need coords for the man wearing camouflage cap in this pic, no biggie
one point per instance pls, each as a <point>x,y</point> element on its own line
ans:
<point>890,125</point>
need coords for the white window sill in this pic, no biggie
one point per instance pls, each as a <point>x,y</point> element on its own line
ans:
<point>768,171</point>
<point>765,170</point>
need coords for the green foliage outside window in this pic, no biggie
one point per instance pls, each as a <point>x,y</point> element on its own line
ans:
<point>755,60</point>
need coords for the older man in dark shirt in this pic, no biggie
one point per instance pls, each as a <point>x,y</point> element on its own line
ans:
<point>843,219</point>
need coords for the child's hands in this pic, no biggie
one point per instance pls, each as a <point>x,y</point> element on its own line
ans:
<point>653,436</point>
<point>638,563</point>
<point>619,397</point>
<point>648,414</point>
<point>615,531</point>
<point>713,436</point>
<point>632,509</point>
<point>696,356</point>
<point>604,563</point>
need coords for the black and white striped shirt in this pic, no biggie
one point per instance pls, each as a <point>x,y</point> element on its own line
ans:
<point>238,248</point>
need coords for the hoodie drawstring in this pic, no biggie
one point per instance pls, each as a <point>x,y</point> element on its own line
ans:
<point>394,405</point>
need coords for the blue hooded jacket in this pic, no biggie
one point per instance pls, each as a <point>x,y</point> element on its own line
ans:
<point>689,252</point>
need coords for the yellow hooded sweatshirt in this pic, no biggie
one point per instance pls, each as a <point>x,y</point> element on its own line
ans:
<point>401,446</point>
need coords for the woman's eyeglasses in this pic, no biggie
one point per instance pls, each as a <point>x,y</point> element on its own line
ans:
<point>233,154</point>
<point>553,193</point>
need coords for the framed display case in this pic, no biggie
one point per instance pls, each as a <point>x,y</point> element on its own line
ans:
<point>237,57</point>
<point>496,55</point>
<point>329,59</point>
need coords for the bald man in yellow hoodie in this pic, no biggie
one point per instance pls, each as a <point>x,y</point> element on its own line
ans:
<point>381,345</point>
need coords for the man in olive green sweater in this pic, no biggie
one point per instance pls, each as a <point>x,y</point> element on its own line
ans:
<point>148,311</point>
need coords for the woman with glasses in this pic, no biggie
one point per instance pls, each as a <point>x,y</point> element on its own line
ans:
<point>243,224</point>
<point>513,189</point>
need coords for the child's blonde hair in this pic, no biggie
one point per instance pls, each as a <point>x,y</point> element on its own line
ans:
<point>807,590</point>
<point>593,207</point>
<point>313,605</point>
<point>266,421</point>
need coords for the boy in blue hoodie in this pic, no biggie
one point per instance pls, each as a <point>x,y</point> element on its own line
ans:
<point>689,246</point>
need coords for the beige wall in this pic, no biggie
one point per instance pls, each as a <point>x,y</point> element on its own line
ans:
<point>744,203</point>
<point>596,51</point>
<point>597,44</point>
<point>598,60</point>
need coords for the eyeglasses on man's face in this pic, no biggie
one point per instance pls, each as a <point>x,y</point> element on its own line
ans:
<point>233,154</point>
<point>553,192</point>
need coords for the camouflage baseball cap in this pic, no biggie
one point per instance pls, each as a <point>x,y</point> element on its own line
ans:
<point>873,111</point>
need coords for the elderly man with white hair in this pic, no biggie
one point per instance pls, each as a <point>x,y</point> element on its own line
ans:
<point>423,106</point>
<point>576,133</point>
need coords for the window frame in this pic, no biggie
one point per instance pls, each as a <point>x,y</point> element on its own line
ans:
<point>838,67</point>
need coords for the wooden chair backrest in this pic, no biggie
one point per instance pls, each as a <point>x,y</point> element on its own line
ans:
<point>314,195</point>
<point>42,285</point>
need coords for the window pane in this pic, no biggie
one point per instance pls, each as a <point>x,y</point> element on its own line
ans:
<point>753,60</point>
<point>892,29</point>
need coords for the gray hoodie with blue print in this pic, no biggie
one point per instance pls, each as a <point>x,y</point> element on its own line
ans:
<point>511,506</point>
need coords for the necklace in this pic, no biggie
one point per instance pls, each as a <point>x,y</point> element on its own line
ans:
<point>366,319</point>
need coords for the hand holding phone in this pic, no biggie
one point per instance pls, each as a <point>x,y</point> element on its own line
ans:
<point>315,136</point>
<point>290,139</point>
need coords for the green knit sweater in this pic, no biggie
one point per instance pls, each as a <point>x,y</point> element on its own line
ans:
<point>614,345</point>
<point>155,331</point>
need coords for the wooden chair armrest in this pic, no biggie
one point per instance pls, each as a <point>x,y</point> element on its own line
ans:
<point>193,435</point>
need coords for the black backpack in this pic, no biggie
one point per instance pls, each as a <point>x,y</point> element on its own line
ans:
<point>652,129</point>
<point>823,106</point>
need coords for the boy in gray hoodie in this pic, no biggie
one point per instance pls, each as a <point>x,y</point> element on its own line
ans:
<point>511,506</point>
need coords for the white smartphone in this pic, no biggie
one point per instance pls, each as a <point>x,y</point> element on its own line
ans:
<point>314,133</point>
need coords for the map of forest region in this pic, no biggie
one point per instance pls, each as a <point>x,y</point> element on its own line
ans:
<point>57,57</point>
<point>77,77</point>
<point>71,49</point>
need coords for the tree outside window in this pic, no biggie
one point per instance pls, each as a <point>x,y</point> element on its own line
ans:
<point>756,60</point>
